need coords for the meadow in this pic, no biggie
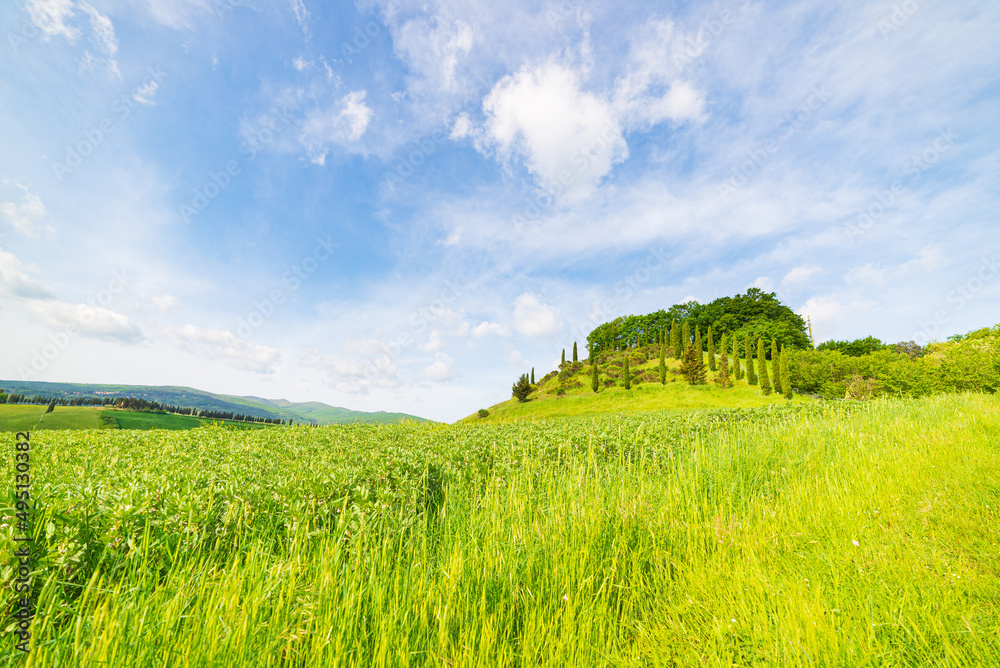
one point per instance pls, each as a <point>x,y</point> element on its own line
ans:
<point>806,533</point>
<point>24,417</point>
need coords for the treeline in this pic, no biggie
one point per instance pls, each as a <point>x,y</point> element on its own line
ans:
<point>756,314</point>
<point>135,404</point>
<point>868,367</point>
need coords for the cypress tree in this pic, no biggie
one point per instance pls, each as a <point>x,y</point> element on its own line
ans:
<point>765,382</point>
<point>675,339</point>
<point>697,342</point>
<point>627,375</point>
<point>693,366</point>
<point>711,349</point>
<point>532,375</point>
<point>593,375</point>
<point>663,365</point>
<point>737,371</point>
<point>786,382</point>
<point>748,352</point>
<point>776,367</point>
<point>722,378</point>
<point>686,334</point>
<point>564,357</point>
<point>575,359</point>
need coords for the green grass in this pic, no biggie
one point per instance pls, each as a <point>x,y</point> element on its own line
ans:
<point>17,417</point>
<point>136,420</point>
<point>810,534</point>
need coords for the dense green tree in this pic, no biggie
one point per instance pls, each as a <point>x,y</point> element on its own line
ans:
<point>711,350</point>
<point>626,375</point>
<point>663,364</point>
<point>722,378</point>
<point>522,388</point>
<point>686,334</point>
<point>765,381</point>
<point>748,354</point>
<point>563,357</point>
<point>856,348</point>
<point>593,375</point>
<point>575,359</point>
<point>776,367</point>
<point>786,382</point>
<point>675,339</point>
<point>737,371</point>
<point>693,366</point>
<point>532,375</point>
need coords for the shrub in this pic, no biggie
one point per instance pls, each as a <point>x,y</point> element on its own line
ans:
<point>521,388</point>
<point>483,413</point>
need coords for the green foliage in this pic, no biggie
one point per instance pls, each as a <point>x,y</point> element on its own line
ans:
<point>764,379</point>
<point>786,383</point>
<point>532,375</point>
<point>686,334</point>
<point>737,370</point>
<point>521,388</point>
<point>52,407</point>
<point>575,358</point>
<point>693,366</point>
<point>626,375</point>
<point>663,363</point>
<point>776,367</point>
<point>711,349</point>
<point>856,348</point>
<point>675,339</point>
<point>563,356</point>
<point>722,378</point>
<point>594,378</point>
<point>748,352</point>
<point>483,413</point>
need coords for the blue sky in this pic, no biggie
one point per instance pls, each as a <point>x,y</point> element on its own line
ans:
<point>404,205</point>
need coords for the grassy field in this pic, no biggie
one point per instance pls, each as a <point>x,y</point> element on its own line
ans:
<point>807,534</point>
<point>579,399</point>
<point>16,417</point>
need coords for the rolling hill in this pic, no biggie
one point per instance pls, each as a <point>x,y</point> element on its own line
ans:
<point>312,412</point>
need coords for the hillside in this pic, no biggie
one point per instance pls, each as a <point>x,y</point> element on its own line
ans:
<point>567,391</point>
<point>312,412</point>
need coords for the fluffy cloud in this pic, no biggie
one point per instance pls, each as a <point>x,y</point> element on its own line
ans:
<point>22,209</point>
<point>14,280</point>
<point>225,347</point>
<point>364,367</point>
<point>104,40</point>
<point>440,370</point>
<point>569,139</point>
<point>532,317</point>
<point>432,46</point>
<point>90,321</point>
<point>486,328</point>
<point>342,124</point>
<point>165,302</point>
<point>50,16</point>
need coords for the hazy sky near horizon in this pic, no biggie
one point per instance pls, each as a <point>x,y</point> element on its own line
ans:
<point>401,206</point>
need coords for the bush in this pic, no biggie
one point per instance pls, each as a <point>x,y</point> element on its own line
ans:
<point>521,388</point>
<point>483,413</point>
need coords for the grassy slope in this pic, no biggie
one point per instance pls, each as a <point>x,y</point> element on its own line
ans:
<point>20,418</point>
<point>644,396</point>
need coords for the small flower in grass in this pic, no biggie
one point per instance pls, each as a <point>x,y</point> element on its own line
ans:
<point>566,597</point>
<point>856,542</point>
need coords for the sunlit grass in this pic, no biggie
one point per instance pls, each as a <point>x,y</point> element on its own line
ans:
<point>824,534</point>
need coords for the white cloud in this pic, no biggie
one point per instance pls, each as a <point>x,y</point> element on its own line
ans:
<point>343,126</point>
<point>16,283</point>
<point>532,317</point>
<point>301,63</point>
<point>764,283</point>
<point>50,17</point>
<point>225,347</point>
<point>440,370</point>
<point>165,302</point>
<point>301,16</point>
<point>570,139</point>
<point>434,343</point>
<point>23,209</point>
<point>368,368</point>
<point>103,38</point>
<point>90,321</point>
<point>513,357</point>
<point>432,46</point>
<point>867,274</point>
<point>461,128</point>
<point>486,328</point>
<point>144,95</point>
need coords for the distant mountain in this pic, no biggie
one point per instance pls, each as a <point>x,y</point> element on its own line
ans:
<point>312,412</point>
